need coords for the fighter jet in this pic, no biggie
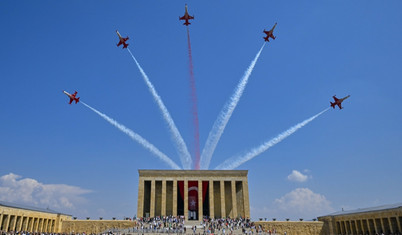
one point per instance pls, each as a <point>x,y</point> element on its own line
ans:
<point>338,101</point>
<point>72,97</point>
<point>186,17</point>
<point>122,40</point>
<point>270,34</point>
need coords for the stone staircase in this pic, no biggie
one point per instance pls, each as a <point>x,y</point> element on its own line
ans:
<point>191,223</point>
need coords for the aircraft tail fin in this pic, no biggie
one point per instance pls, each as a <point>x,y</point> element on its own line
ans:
<point>77,100</point>
<point>332,105</point>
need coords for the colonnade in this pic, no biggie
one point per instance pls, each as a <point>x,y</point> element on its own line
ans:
<point>16,218</point>
<point>386,225</point>
<point>9,222</point>
<point>379,220</point>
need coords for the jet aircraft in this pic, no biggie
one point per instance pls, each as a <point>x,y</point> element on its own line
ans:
<point>72,97</point>
<point>338,101</point>
<point>186,17</point>
<point>122,40</point>
<point>270,34</point>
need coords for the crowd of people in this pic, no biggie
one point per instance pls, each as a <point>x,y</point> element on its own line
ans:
<point>172,224</point>
<point>165,224</point>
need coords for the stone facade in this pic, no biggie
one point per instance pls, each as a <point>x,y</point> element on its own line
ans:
<point>293,227</point>
<point>18,218</point>
<point>382,220</point>
<point>95,226</point>
<point>220,193</point>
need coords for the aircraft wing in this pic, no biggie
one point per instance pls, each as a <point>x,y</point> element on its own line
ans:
<point>182,18</point>
<point>190,17</point>
<point>118,44</point>
<point>336,99</point>
<point>71,100</point>
<point>340,106</point>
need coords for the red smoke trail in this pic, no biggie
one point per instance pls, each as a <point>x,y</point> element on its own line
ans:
<point>194,106</point>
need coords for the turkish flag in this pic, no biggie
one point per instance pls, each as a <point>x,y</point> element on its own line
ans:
<point>193,192</point>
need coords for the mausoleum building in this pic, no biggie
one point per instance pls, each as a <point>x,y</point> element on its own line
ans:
<point>193,194</point>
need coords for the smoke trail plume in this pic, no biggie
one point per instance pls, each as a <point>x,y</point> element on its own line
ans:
<point>194,106</point>
<point>137,138</point>
<point>235,162</point>
<point>224,116</point>
<point>178,139</point>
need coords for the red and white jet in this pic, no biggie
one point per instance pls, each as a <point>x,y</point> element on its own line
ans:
<point>338,101</point>
<point>72,97</point>
<point>270,34</point>
<point>186,17</point>
<point>122,40</point>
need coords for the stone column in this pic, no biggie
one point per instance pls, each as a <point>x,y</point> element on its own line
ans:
<point>185,211</point>
<point>19,223</point>
<point>390,225</point>
<point>246,199</point>
<point>350,229</point>
<point>174,197</point>
<point>33,224</point>
<point>377,230</point>
<point>382,226</point>
<point>13,222</point>
<point>234,200</point>
<point>53,226</point>
<point>6,223</point>
<point>211,199</point>
<point>223,206</point>
<point>200,209</point>
<point>399,224</point>
<point>362,227</point>
<point>45,225</point>
<point>24,223</point>
<point>140,202</point>
<point>30,224</point>
<point>41,225</point>
<point>1,219</point>
<point>152,210</point>
<point>342,224</point>
<point>357,227</point>
<point>163,211</point>
<point>368,227</point>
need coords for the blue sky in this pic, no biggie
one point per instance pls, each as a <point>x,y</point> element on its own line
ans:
<point>68,158</point>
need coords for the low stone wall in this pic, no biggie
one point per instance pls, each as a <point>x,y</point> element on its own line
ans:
<point>95,226</point>
<point>293,227</point>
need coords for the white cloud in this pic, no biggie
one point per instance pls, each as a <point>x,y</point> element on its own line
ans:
<point>305,202</point>
<point>298,176</point>
<point>299,203</point>
<point>13,188</point>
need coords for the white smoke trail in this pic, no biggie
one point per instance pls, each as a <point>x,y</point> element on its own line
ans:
<point>184,154</point>
<point>235,162</point>
<point>224,116</point>
<point>137,138</point>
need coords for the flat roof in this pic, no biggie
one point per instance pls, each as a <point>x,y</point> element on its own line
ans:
<point>195,173</point>
<point>31,208</point>
<point>366,210</point>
